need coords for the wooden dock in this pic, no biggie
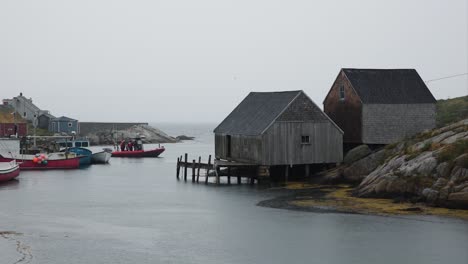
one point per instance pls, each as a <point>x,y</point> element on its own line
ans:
<point>217,169</point>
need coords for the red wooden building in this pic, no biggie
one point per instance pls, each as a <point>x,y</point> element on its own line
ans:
<point>8,129</point>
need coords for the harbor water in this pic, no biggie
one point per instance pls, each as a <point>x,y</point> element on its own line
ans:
<point>135,211</point>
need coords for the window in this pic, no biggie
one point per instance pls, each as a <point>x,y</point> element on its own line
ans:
<point>342,93</point>
<point>70,124</point>
<point>305,140</point>
<point>24,114</point>
<point>85,144</point>
<point>78,144</point>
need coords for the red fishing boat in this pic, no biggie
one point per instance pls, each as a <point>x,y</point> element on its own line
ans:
<point>45,162</point>
<point>139,153</point>
<point>8,171</point>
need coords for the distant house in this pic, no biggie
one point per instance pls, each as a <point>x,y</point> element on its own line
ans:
<point>377,106</point>
<point>44,120</point>
<point>278,128</point>
<point>64,124</point>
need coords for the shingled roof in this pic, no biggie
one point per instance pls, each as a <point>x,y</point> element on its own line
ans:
<point>260,109</point>
<point>389,86</point>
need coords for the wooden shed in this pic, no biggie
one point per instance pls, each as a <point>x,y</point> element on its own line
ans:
<point>278,128</point>
<point>380,106</point>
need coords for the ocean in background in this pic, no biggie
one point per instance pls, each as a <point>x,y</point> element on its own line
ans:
<point>135,211</point>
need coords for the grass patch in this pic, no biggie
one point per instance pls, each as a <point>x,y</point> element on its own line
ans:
<point>451,152</point>
<point>451,110</point>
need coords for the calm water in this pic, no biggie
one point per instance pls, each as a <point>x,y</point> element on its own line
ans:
<point>134,211</point>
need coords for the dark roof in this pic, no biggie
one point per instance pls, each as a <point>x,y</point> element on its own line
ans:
<point>64,118</point>
<point>256,112</point>
<point>389,86</point>
<point>259,110</point>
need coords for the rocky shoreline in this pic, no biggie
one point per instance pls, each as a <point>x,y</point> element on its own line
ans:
<point>425,174</point>
<point>323,198</point>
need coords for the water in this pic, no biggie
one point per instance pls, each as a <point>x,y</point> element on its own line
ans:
<point>135,211</point>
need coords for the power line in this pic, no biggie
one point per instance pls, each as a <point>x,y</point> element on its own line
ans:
<point>447,77</point>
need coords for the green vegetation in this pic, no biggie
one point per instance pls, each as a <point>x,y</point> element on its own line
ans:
<point>451,110</point>
<point>39,131</point>
<point>453,151</point>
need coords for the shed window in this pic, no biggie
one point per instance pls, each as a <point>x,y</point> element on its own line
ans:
<point>305,139</point>
<point>342,93</point>
<point>70,124</point>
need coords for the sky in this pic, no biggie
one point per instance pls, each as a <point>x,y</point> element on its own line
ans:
<point>186,61</point>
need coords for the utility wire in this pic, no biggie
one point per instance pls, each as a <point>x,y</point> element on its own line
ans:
<point>447,77</point>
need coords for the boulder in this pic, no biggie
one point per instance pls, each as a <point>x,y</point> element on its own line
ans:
<point>443,170</point>
<point>357,153</point>
<point>459,175</point>
<point>358,170</point>
<point>424,164</point>
<point>430,195</point>
<point>439,184</point>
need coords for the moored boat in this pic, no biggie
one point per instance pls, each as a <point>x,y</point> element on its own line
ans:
<point>83,153</point>
<point>8,171</point>
<point>54,161</point>
<point>139,153</point>
<point>102,157</point>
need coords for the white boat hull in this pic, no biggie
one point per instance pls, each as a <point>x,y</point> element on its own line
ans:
<point>100,157</point>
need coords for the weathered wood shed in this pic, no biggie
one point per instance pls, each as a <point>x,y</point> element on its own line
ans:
<point>278,128</point>
<point>380,106</point>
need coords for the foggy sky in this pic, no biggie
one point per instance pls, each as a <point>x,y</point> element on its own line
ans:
<point>194,61</point>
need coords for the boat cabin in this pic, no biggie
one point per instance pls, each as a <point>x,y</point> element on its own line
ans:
<point>84,143</point>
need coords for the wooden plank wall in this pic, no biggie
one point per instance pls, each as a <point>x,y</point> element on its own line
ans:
<point>243,148</point>
<point>282,143</point>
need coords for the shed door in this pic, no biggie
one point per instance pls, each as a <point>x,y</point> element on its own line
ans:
<point>228,146</point>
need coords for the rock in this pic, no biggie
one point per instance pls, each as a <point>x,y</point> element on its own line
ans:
<point>331,176</point>
<point>358,170</point>
<point>459,174</point>
<point>452,139</point>
<point>184,137</point>
<point>439,184</point>
<point>423,164</point>
<point>430,195</point>
<point>443,170</point>
<point>462,161</point>
<point>444,193</point>
<point>357,153</point>
<point>458,199</point>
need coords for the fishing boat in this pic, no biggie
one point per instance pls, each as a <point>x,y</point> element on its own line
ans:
<point>102,157</point>
<point>139,153</point>
<point>50,161</point>
<point>8,171</point>
<point>83,153</point>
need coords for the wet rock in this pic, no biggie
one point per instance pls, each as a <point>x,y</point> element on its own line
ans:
<point>356,154</point>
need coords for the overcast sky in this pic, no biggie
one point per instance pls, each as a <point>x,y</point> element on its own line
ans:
<point>194,61</point>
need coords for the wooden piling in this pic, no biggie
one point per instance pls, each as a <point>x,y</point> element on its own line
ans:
<point>229,175</point>
<point>217,174</point>
<point>178,168</point>
<point>185,167</point>
<point>193,171</point>
<point>198,169</point>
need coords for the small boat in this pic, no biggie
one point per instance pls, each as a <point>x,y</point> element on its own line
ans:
<point>9,170</point>
<point>139,153</point>
<point>51,161</point>
<point>83,153</point>
<point>102,157</point>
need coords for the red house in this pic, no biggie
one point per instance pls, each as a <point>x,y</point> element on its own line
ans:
<point>8,129</point>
